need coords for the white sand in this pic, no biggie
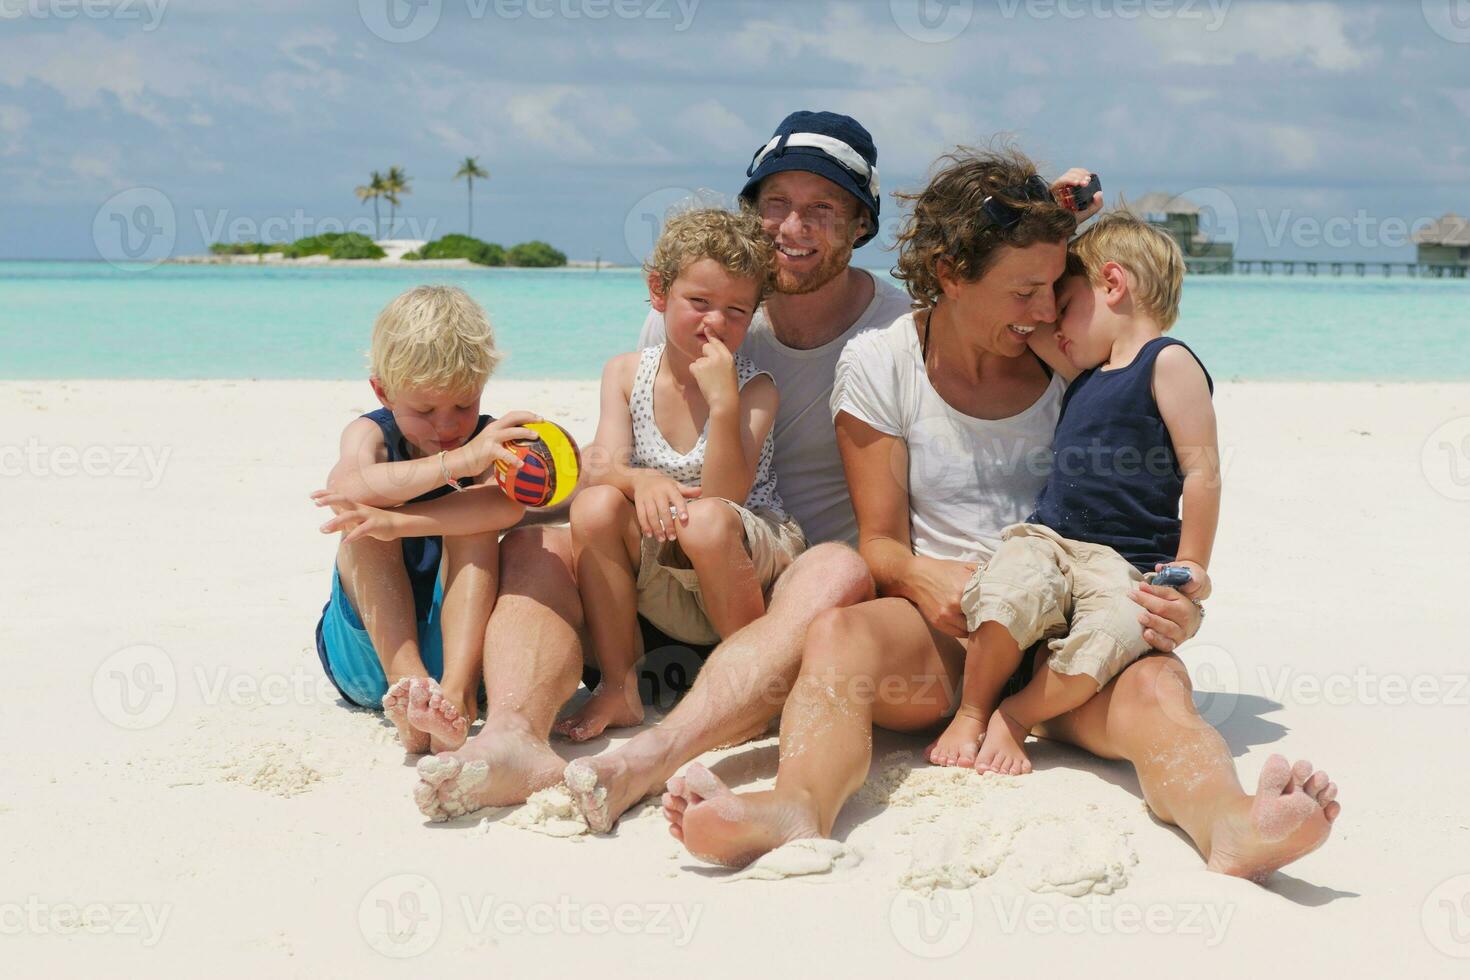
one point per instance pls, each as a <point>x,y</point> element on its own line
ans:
<point>183,793</point>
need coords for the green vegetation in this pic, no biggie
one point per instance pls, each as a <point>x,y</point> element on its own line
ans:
<point>375,188</point>
<point>245,248</point>
<point>395,184</point>
<point>335,245</point>
<point>463,247</point>
<point>469,170</point>
<point>535,255</point>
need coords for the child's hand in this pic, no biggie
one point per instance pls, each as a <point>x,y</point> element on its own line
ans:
<point>659,503</point>
<point>358,520</point>
<point>1198,586</point>
<point>714,372</point>
<point>488,448</point>
<point>1079,177</point>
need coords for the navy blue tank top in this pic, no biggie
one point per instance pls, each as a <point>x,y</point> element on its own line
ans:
<point>1115,478</point>
<point>420,555</point>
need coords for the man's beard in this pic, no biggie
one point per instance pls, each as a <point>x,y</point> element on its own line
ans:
<point>791,284</point>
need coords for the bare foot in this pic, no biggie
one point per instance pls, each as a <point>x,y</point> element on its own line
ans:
<point>604,788</point>
<point>436,715</point>
<point>722,827</point>
<point>960,741</point>
<point>395,707</point>
<point>1290,816</point>
<point>1002,753</point>
<point>495,768</point>
<point>609,707</point>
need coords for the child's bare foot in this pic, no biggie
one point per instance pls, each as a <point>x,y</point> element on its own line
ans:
<point>436,716</point>
<point>395,707</point>
<point>960,741</point>
<point>609,707</point>
<point>1002,753</point>
<point>1290,816</point>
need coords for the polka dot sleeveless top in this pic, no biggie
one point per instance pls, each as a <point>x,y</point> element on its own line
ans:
<point>652,451</point>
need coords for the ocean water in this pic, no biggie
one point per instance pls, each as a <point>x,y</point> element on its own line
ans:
<point>95,320</point>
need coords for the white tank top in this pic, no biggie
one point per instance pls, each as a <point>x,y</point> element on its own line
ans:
<point>652,451</point>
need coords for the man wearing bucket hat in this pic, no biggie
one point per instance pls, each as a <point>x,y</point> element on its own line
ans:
<point>815,185</point>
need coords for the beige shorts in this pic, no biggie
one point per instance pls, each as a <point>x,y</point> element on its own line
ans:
<point>669,596</point>
<point>1041,585</point>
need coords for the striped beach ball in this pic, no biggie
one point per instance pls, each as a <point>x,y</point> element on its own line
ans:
<point>549,467</point>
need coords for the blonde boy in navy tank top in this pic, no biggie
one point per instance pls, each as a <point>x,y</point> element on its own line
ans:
<point>1136,435</point>
<point>682,523</point>
<point>412,588</point>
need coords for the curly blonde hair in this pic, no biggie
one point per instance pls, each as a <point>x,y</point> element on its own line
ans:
<point>734,239</point>
<point>433,337</point>
<point>947,223</point>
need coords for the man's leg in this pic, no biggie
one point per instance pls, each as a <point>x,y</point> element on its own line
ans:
<point>1146,715</point>
<point>738,691</point>
<point>878,662</point>
<point>533,663</point>
<point>376,583</point>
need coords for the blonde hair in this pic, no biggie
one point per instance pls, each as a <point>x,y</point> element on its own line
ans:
<point>433,337</point>
<point>1153,260</point>
<point>734,239</point>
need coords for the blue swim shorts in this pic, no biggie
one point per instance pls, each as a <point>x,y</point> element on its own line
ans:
<point>347,653</point>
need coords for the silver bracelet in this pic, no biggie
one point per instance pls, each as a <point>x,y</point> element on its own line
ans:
<point>1200,606</point>
<point>444,468</point>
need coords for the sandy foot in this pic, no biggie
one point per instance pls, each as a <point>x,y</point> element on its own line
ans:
<point>1002,752</point>
<point>604,789</point>
<point>492,769</point>
<point>395,707</point>
<point>1290,816</point>
<point>722,827</point>
<point>609,707</point>
<point>960,742</point>
<point>436,716</point>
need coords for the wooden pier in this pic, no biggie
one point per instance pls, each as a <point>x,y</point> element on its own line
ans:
<point>1288,267</point>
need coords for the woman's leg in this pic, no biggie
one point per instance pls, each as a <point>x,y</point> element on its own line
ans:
<point>606,548</point>
<point>714,541</point>
<point>1146,715</point>
<point>878,662</point>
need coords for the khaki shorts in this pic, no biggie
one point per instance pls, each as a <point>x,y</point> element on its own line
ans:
<point>669,596</point>
<point>1041,585</point>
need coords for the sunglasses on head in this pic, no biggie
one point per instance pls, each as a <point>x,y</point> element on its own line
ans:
<point>1007,216</point>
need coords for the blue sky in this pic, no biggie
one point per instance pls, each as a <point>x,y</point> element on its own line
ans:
<point>1306,128</point>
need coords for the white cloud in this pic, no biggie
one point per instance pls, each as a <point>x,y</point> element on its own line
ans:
<point>716,127</point>
<point>1316,33</point>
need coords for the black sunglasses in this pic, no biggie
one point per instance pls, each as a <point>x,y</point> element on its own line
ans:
<point>1007,216</point>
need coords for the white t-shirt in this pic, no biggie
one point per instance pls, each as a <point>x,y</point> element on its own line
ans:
<point>808,466</point>
<point>968,478</point>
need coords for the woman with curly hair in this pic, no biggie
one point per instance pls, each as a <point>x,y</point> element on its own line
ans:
<point>945,422</point>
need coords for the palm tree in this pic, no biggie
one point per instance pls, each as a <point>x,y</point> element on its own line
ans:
<point>375,188</point>
<point>469,170</point>
<point>396,183</point>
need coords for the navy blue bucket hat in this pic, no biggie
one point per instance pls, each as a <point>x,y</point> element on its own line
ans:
<point>829,145</point>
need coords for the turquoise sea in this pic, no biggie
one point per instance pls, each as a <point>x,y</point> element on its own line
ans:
<point>95,320</point>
